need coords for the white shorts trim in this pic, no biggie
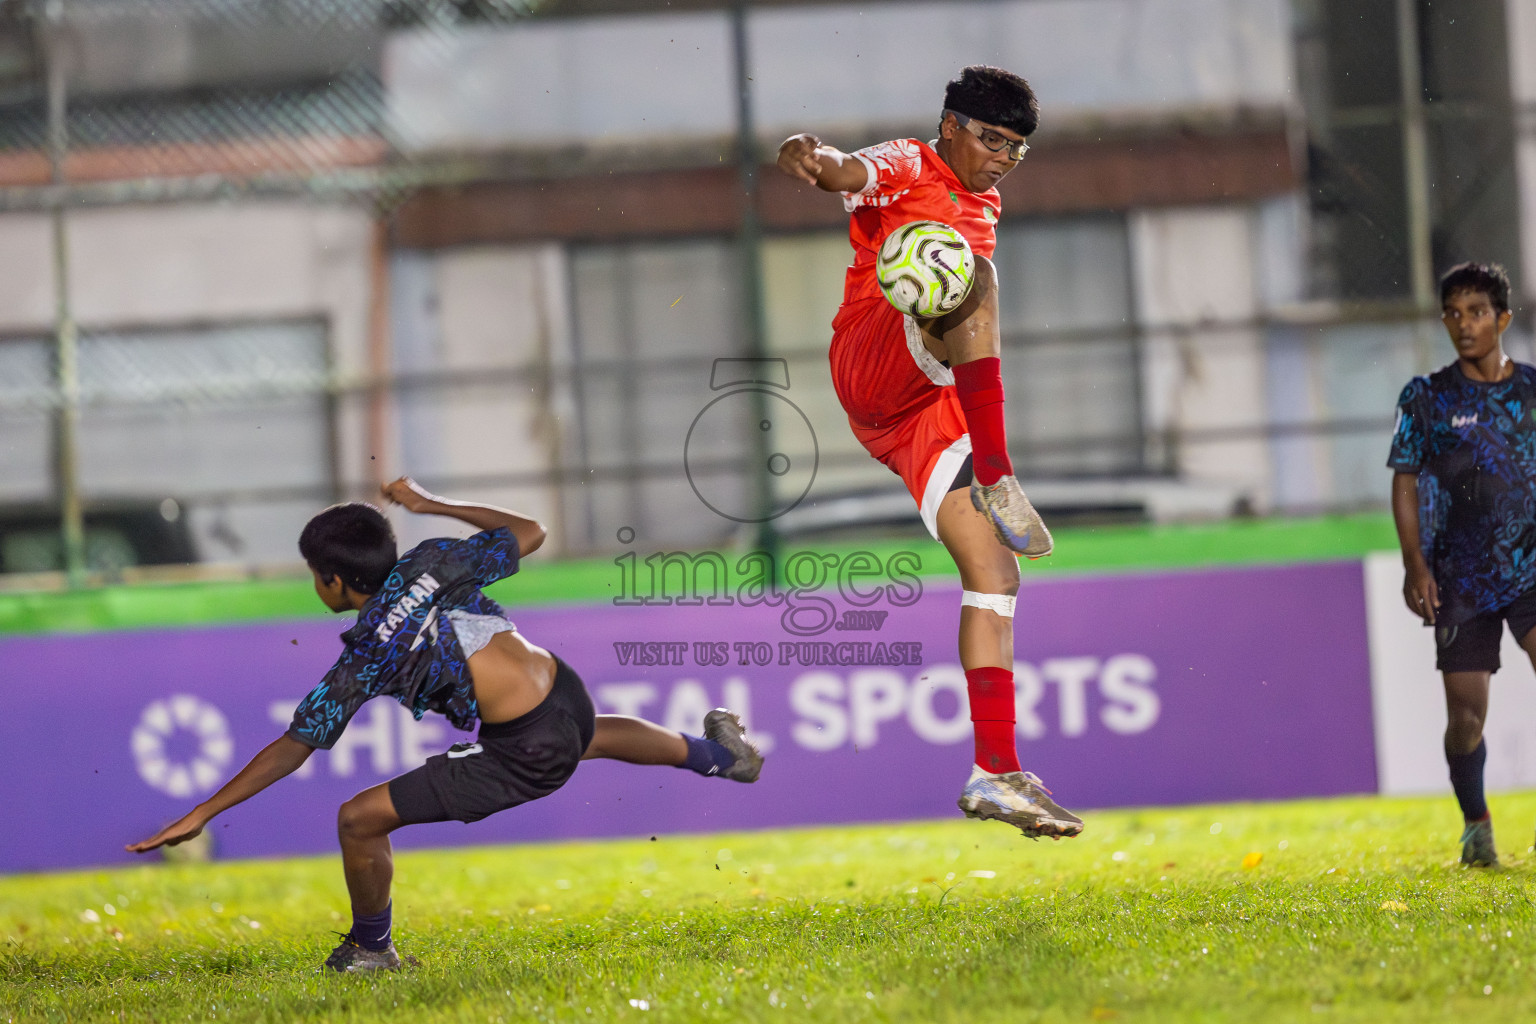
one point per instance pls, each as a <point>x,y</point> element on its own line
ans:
<point>936,371</point>
<point>942,475</point>
<point>1002,604</point>
<point>475,631</point>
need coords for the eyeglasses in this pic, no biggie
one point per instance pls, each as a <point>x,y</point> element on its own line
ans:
<point>994,140</point>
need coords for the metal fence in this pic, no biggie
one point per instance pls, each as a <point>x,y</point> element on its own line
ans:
<point>214,444</point>
<point>159,433</point>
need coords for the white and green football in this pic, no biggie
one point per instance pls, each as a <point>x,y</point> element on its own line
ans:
<point>925,268</point>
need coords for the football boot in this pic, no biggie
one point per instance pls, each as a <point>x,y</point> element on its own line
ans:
<point>1021,800</point>
<point>349,957</point>
<point>725,728</point>
<point>1018,526</point>
<point>1477,850</point>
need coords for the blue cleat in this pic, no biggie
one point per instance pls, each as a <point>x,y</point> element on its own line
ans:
<point>1018,526</point>
<point>1021,800</point>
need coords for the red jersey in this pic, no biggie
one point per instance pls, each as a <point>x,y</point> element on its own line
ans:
<point>907,182</point>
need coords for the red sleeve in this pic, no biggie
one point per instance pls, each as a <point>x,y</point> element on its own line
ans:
<point>893,167</point>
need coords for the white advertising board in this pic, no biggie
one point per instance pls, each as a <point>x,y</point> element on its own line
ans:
<point>1409,701</point>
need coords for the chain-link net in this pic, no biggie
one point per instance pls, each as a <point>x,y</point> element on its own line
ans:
<point>176,99</point>
<point>208,330</point>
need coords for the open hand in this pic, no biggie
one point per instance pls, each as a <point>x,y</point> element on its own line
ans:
<point>797,157</point>
<point>189,827</point>
<point>407,493</point>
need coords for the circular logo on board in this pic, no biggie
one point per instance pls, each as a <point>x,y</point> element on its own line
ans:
<point>207,728</point>
<point>786,429</point>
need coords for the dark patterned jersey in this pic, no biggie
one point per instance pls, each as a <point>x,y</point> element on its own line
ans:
<point>403,644</point>
<point>1473,445</point>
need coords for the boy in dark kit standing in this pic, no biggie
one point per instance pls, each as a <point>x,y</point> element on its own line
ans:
<point>426,636</point>
<point>925,397</point>
<point>1464,502</point>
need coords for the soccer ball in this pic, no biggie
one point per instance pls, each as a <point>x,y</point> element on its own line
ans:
<point>925,268</point>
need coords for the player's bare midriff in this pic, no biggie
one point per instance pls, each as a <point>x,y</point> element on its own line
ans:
<point>512,677</point>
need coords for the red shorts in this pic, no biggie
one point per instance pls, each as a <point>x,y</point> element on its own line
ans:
<point>900,400</point>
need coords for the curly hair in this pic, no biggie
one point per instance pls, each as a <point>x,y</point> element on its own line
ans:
<point>995,96</point>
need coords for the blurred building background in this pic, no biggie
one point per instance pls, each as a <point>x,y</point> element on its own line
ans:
<point>259,255</point>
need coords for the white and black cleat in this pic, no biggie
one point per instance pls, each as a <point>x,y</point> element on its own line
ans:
<point>1021,800</point>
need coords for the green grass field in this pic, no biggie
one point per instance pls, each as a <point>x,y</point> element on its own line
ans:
<point>1339,910</point>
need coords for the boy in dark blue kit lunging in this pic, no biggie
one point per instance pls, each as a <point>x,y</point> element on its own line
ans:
<point>426,636</point>
<point>1464,502</point>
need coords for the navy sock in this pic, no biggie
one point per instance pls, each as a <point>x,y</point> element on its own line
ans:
<point>1467,781</point>
<point>373,932</point>
<point>706,756</point>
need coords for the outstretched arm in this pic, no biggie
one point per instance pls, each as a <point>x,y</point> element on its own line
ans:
<point>1419,590</point>
<point>413,497</point>
<point>828,168</point>
<point>281,757</point>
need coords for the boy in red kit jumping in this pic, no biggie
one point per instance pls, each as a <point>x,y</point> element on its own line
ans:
<point>925,397</point>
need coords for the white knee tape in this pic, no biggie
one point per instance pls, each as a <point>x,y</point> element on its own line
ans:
<point>1002,604</point>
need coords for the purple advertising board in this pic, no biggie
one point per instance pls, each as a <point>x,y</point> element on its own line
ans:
<point>1137,689</point>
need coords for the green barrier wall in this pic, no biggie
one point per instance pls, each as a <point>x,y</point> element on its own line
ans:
<point>1078,550</point>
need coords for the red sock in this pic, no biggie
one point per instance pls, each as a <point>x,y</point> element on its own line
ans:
<point>992,713</point>
<point>980,385</point>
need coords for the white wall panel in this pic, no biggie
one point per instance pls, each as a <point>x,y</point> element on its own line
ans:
<point>1521,15</point>
<point>555,82</point>
<point>493,309</point>
<point>1203,371</point>
<point>1408,698</point>
<point>1521,19</point>
<point>161,265</point>
<point>622,79</point>
<point>858,65</point>
<point>197,272</point>
<point>26,272</point>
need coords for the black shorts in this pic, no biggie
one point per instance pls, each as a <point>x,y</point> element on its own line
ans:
<point>963,475</point>
<point>1473,646</point>
<point>509,763</point>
